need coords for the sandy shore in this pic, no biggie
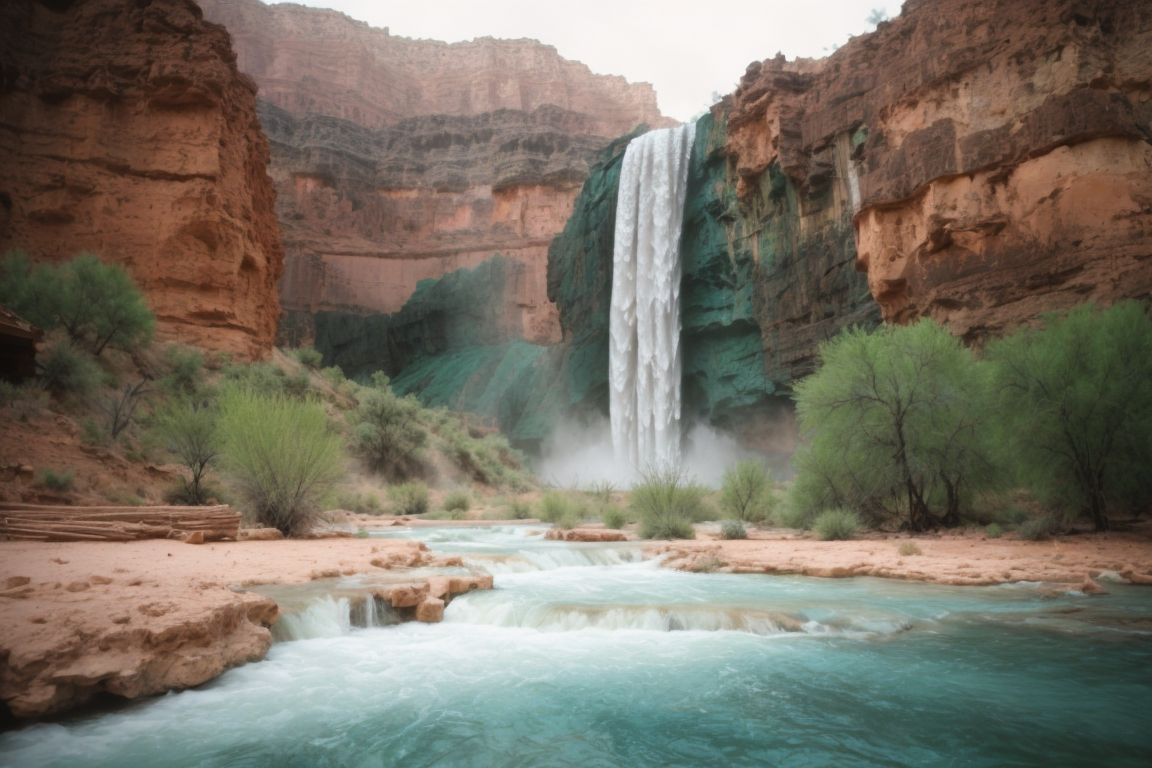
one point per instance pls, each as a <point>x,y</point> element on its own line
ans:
<point>960,558</point>
<point>144,617</point>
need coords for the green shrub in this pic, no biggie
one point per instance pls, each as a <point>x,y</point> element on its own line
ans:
<point>64,370</point>
<point>297,386</point>
<point>281,454</point>
<point>457,501</point>
<point>1076,401</point>
<point>333,375</point>
<point>123,498</point>
<point>1038,528</point>
<point>308,357</point>
<point>410,499</point>
<point>615,518</point>
<point>389,430</point>
<point>733,529</point>
<point>189,429</point>
<point>91,433</point>
<point>667,504</point>
<point>57,481</point>
<point>92,301</point>
<point>361,533</point>
<point>185,371</point>
<point>836,525</point>
<point>366,504</point>
<point>994,531</point>
<point>894,426</point>
<point>909,549</point>
<point>258,378</point>
<point>746,493</point>
<point>520,510</point>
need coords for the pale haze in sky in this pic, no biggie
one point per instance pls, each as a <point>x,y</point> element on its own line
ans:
<point>686,50</point>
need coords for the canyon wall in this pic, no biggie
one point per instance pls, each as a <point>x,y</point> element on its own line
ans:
<point>995,152</point>
<point>126,130</point>
<point>309,61</point>
<point>980,163</point>
<point>399,160</point>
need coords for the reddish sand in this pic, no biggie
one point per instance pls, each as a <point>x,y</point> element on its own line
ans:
<point>148,616</point>
<point>961,558</point>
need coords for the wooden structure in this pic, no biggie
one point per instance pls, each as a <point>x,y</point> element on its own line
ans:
<point>31,522</point>
<point>18,339</point>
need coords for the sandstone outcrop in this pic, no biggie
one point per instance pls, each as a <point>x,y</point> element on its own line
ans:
<point>367,214</point>
<point>310,61</point>
<point>133,619</point>
<point>995,155</point>
<point>399,160</point>
<point>126,130</point>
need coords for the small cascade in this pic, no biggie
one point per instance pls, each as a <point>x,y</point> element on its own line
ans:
<point>644,323</point>
<point>330,616</point>
<point>551,558</point>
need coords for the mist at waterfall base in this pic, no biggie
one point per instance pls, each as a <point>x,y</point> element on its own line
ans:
<point>579,453</point>
<point>644,431</point>
<point>584,655</point>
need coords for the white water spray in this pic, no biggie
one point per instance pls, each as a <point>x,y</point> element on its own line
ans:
<point>644,325</point>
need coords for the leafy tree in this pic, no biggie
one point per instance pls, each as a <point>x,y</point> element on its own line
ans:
<point>189,428</point>
<point>90,300</point>
<point>746,492</point>
<point>389,430</point>
<point>893,426</point>
<point>1076,397</point>
<point>281,454</point>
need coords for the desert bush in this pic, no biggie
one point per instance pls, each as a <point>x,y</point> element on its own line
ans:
<point>520,510</point>
<point>667,503</point>
<point>893,426</point>
<point>1038,528</point>
<point>121,407</point>
<point>614,518</point>
<point>263,379</point>
<point>308,357</point>
<point>281,455</point>
<point>65,370</point>
<point>123,498</point>
<point>457,501</point>
<point>410,499</point>
<point>389,430</point>
<point>58,481</point>
<point>185,371</point>
<point>189,429</point>
<point>361,504</point>
<point>733,529</point>
<point>994,531</point>
<point>562,510</point>
<point>93,302</point>
<point>91,433</point>
<point>746,493</point>
<point>836,525</point>
<point>909,549</point>
<point>1076,401</point>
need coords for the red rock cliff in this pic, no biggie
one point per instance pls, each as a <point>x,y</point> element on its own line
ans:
<point>995,154</point>
<point>314,61</point>
<point>399,160</point>
<point>126,130</point>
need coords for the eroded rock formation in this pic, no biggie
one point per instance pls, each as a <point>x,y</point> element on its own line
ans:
<point>309,61</point>
<point>127,131</point>
<point>996,155</point>
<point>400,160</point>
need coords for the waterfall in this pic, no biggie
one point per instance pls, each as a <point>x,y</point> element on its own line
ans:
<point>644,324</point>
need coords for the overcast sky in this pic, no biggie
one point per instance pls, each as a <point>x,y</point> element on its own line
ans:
<point>686,49</point>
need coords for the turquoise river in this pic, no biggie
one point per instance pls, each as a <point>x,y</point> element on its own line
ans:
<point>586,655</point>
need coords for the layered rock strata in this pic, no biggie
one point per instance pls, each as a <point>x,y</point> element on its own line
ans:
<point>995,154</point>
<point>309,61</point>
<point>368,214</point>
<point>126,130</point>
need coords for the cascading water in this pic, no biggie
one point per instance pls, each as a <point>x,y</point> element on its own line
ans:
<point>644,324</point>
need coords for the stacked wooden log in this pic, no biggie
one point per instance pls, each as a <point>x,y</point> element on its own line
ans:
<point>32,522</point>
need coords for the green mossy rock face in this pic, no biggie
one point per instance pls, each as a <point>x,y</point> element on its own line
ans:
<point>766,279</point>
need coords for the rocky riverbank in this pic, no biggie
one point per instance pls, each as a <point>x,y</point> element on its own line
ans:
<point>139,618</point>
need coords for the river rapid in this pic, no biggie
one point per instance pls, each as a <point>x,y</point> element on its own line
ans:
<point>587,655</point>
